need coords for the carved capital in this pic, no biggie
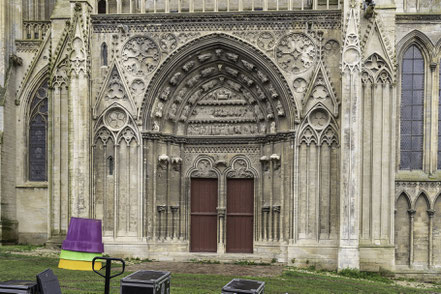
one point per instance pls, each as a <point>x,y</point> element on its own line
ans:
<point>431,212</point>
<point>276,208</point>
<point>266,209</point>
<point>221,211</point>
<point>433,66</point>
<point>163,161</point>
<point>174,208</point>
<point>176,163</point>
<point>161,208</point>
<point>275,159</point>
<point>264,161</point>
<point>411,212</point>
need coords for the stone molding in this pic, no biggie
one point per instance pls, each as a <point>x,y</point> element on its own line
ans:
<point>106,23</point>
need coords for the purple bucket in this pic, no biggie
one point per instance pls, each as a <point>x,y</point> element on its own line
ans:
<point>84,235</point>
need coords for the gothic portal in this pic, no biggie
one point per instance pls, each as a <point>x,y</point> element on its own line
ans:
<point>302,130</point>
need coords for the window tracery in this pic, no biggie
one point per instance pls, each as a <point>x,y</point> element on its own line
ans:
<point>37,141</point>
<point>412,110</point>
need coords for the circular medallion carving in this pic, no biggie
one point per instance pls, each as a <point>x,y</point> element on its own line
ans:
<point>116,118</point>
<point>296,53</point>
<point>331,45</point>
<point>351,57</point>
<point>319,119</point>
<point>140,55</point>
<point>168,42</point>
<point>300,85</point>
<point>266,41</point>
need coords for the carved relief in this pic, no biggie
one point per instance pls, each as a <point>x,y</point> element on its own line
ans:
<point>300,85</point>
<point>204,169</point>
<point>115,118</point>
<point>115,88</point>
<point>240,169</point>
<point>266,41</point>
<point>331,46</point>
<point>78,57</point>
<point>128,135</point>
<point>168,42</point>
<point>104,135</point>
<point>140,56</point>
<point>319,119</point>
<point>296,53</point>
<point>137,87</point>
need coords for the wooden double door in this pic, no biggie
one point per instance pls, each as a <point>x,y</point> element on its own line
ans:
<point>239,215</point>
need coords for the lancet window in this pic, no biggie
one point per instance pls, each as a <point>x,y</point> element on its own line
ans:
<point>412,110</point>
<point>37,134</point>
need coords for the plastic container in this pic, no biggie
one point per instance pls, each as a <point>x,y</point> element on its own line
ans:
<point>146,282</point>
<point>84,235</point>
<point>240,286</point>
<point>19,287</point>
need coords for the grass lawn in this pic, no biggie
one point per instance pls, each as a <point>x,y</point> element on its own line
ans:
<point>14,266</point>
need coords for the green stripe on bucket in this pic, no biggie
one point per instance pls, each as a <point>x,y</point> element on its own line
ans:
<point>76,255</point>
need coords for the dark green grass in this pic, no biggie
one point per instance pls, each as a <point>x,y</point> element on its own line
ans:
<point>291,281</point>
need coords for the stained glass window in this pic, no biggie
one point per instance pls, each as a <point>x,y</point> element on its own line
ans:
<point>38,134</point>
<point>412,110</point>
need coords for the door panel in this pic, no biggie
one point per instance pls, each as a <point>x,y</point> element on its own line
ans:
<point>240,215</point>
<point>203,215</point>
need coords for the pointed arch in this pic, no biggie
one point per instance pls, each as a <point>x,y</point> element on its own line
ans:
<point>422,195</point>
<point>37,129</point>
<point>104,54</point>
<point>102,7</point>
<point>418,39</point>
<point>405,196</point>
<point>413,71</point>
<point>216,61</point>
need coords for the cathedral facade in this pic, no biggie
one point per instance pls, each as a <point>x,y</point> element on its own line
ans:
<point>308,131</point>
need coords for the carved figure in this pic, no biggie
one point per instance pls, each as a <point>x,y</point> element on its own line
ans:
<point>189,65</point>
<point>159,107</point>
<point>231,56</point>
<point>247,65</point>
<point>193,81</point>
<point>164,94</point>
<point>273,127</point>
<point>231,71</point>
<point>155,127</point>
<point>246,80</point>
<point>208,71</point>
<point>279,108</point>
<point>262,77</point>
<point>204,57</point>
<point>210,85</point>
<point>172,112</point>
<point>175,78</point>
<point>269,110</point>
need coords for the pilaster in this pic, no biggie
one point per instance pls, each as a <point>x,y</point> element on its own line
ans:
<point>350,177</point>
<point>79,110</point>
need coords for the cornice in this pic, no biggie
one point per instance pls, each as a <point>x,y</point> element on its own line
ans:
<point>402,18</point>
<point>155,22</point>
<point>217,140</point>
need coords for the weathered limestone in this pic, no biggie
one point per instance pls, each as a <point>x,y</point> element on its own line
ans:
<point>304,104</point>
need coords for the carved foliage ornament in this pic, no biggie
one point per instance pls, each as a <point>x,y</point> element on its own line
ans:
<point>140,56</point>
<point>296,53</point>
<point>204,169</point>
<point>240,169</point>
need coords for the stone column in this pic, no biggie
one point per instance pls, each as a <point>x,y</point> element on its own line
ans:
<point>350,163</point>
<point>431,213</point>
<point>79,112</point>
<point>411,215</point>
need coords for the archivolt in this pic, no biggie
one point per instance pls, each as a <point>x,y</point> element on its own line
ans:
<point>218,69</point>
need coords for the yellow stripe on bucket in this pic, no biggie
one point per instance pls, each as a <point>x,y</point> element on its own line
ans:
<point>78,265</point>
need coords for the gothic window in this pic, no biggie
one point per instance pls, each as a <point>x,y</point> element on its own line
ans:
<point>104,54</point>
<point>412,110</point>
<point>439,121</point>
<point>110,165</point>
<point>37,139</point>
<point>102,6</point>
